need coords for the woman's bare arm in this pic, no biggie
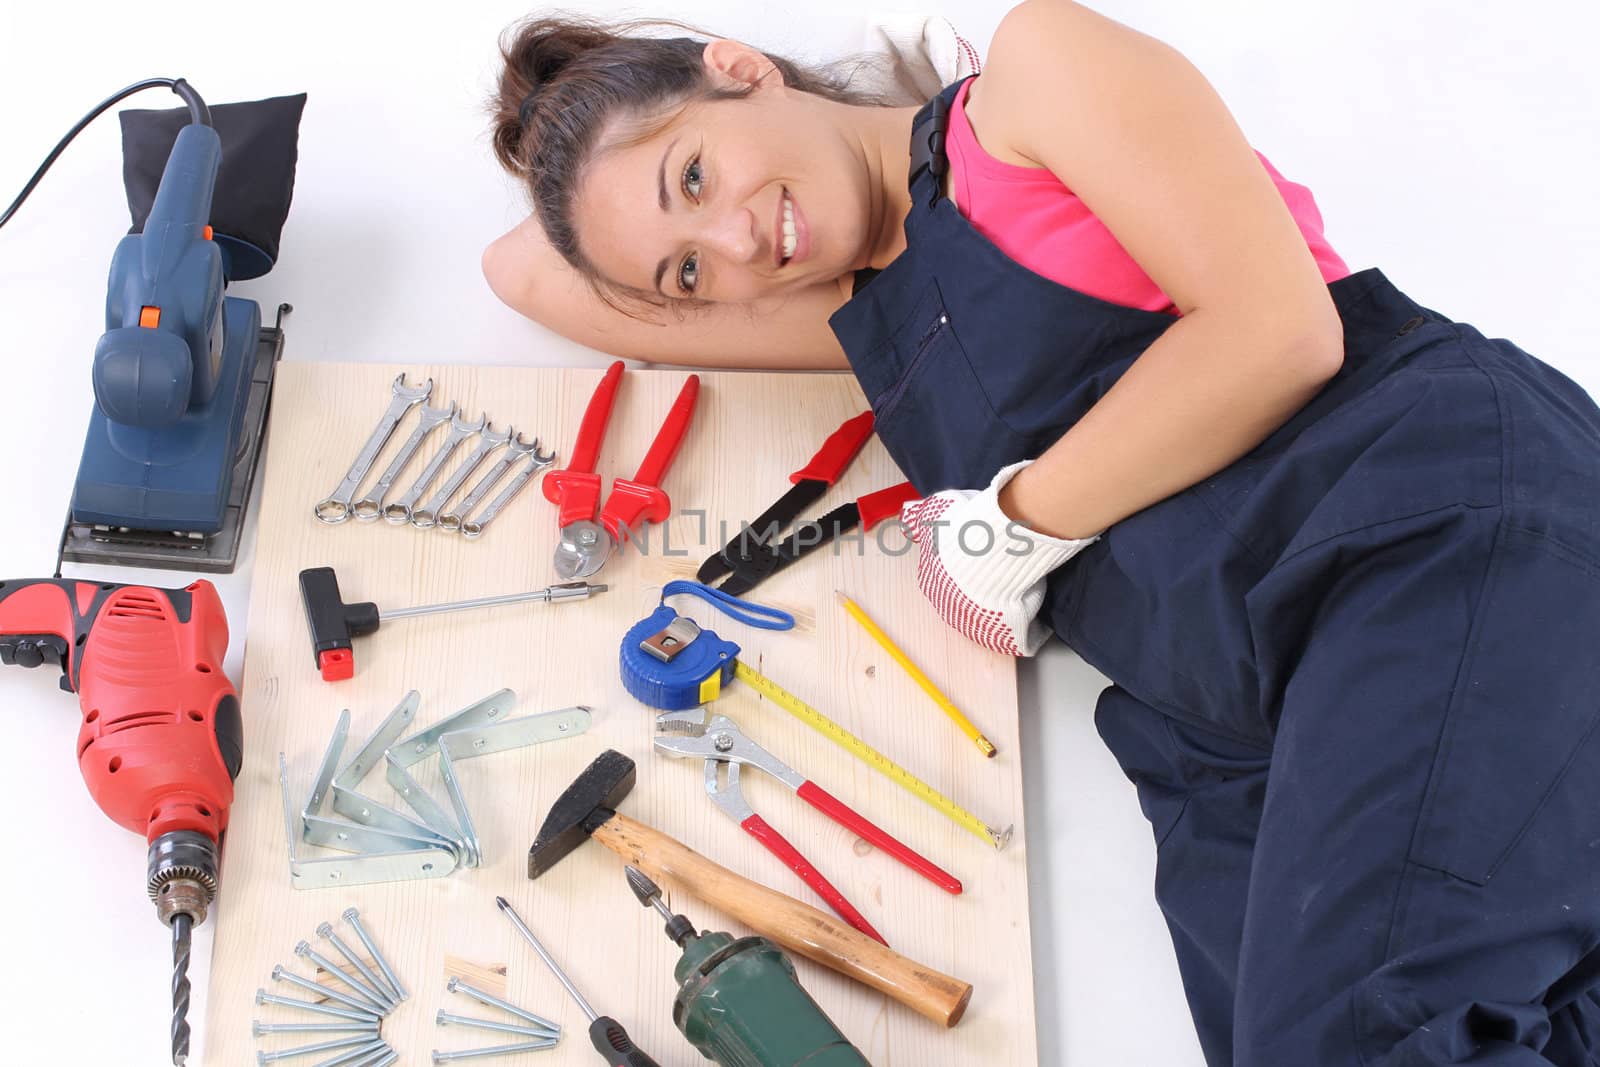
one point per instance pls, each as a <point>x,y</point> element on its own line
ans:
<point>532,278</point>
<point>1131,127</point>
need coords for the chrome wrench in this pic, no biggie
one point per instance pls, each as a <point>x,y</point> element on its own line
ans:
<point>473,528</point>
<point>369,507</point>
<point>336,508</point>
<point>424,517</point>
<point>515,450</point>
<point>460,429</point>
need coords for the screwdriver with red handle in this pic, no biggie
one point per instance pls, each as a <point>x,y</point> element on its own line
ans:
<point>608,1036</point>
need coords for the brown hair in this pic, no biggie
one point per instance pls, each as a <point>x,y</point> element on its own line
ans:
<point>565,77</point>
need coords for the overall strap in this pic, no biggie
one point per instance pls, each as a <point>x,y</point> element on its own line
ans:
<point>928,160</point>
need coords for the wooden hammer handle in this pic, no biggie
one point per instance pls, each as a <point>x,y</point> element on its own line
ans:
<point>792,924</point>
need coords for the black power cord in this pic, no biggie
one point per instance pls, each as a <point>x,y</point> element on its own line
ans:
<point>198,113</point>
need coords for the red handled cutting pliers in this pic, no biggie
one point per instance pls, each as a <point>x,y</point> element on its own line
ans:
<point>756,553</point>
<point>691,734</point>
<point>586,538</point>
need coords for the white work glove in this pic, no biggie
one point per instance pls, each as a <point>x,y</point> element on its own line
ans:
<point>984,572</point>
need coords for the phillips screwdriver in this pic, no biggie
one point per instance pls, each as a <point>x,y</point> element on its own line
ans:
<point>608,1036</point>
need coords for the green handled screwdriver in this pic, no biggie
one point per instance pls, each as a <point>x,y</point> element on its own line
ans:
<point>608,1036</point>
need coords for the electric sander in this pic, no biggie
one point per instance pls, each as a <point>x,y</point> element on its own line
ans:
<point>183,373</point>
<point>161,740</point>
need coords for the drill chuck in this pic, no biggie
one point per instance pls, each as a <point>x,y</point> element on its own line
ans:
<point>182,875</point>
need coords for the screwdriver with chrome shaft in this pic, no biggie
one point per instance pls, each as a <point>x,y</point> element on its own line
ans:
<point>333,622</point>
<point>608,1036</point>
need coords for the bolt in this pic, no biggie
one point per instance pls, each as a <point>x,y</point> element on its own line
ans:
<point>723,742</point>
<point>587,538</point>
<point>498,1050</point>
<point>311,1050</point>
<point>456,985</point>
<point>367,1056</point>
<point>304,949</point>
<point>281,975</point>
<point>261,1029</point>
<point>353,917</point>
<point>263,997</point>
<point>445,1019</point>
<point>326,931</point>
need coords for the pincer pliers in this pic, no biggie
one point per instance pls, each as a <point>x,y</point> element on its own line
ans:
<point>716,739</point>
<point>588,534</point>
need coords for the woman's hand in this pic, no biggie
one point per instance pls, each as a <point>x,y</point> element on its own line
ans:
<point>984,571</point>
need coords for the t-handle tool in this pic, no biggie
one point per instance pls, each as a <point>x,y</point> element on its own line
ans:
<point>587,538</point>
<point>609,1038</point>
<point>333,623</point>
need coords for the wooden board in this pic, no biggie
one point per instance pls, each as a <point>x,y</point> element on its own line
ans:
<point>750,432</point>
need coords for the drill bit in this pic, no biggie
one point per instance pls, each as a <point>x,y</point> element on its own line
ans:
<point>181,924</point>
<point>679,928</point>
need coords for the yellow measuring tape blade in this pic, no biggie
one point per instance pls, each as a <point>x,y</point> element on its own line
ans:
<point>867,754</point>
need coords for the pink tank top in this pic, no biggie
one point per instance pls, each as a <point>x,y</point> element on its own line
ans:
<point>1039,223</point>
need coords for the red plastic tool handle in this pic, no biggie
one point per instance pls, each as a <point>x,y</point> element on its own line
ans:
<point>575,489</point>
<point>642,499</point>
<point>875,507</point>
<point>837,451</point>
<point>850,819</point>
<point>779,846</point>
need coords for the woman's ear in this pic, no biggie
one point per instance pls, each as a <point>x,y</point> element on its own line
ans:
<point>735,65</point>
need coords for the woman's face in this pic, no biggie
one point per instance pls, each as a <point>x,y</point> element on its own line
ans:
<point>733,200</point>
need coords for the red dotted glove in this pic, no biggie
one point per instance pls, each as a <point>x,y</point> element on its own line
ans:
<point>984,572</point>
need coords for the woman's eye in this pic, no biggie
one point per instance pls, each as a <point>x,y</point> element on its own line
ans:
<point>692,177</point>
<point>689,273</point>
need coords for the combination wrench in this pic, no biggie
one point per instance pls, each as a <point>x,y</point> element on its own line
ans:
<point>473,528</point>
<point>515,450</point>
<point>369,507</point>
<point>424,517</point>
<point>336,508</point>
<point>460,429</point>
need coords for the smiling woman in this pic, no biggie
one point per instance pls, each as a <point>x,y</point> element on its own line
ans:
<point>1338,553</point>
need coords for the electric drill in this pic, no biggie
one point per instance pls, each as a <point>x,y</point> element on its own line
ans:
<point>161,740</point>
<point>739,1000</point>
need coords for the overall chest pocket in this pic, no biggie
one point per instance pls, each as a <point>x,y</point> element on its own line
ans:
<point>932,413</point>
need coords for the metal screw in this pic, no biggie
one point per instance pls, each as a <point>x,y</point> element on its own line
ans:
<point>456,985</point>
<point>281,975</point>
<point>353,917</point>
<point>326,931</point>
<point>311,1050</point>
<point>587,538</point>
<point>498,1050</point>
<point>304,949</point>
<point>261,1029</point>
<point>445,1019</point>
<point>367,1054</point>
<point>723,742</point>
<point>263,997</point>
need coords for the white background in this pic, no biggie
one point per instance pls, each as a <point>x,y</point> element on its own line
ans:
<point>1451,144</point>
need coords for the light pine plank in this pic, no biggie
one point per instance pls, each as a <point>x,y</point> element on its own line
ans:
<point>750,432</point>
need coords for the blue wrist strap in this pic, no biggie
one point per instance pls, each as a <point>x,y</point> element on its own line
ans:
<point>761,616</point>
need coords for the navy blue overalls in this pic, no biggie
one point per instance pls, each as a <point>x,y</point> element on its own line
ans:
<point>1356,673</point>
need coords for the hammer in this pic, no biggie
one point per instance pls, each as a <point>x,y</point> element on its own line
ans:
<point>588,809</point>
<point>333,623</point>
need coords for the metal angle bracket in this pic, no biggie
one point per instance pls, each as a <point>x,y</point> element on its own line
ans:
<point>362,809</point>
<point>413,750</point>
<point>358,869</point>
<point>500,737</point>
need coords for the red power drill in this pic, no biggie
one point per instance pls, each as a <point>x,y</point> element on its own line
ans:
<point>161,740</point>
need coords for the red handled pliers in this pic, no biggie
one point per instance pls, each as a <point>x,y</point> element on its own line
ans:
<point>586,538</point>
<point>691,734</point>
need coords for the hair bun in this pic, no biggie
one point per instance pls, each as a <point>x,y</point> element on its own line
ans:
<point>535,51</point>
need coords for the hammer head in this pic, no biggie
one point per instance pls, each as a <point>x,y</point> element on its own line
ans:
<point>586,805</point>
<point>333,623</point>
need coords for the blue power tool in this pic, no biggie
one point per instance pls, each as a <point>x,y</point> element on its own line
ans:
<point>183,373</point>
